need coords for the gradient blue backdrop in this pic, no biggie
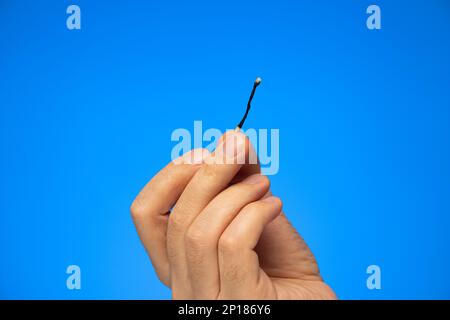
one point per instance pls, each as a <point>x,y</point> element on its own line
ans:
<point>86,118</point>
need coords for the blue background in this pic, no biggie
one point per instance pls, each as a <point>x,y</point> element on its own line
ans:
<point>86,118</point>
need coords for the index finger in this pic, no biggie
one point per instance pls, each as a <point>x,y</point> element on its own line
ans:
<point>149,209</point>
<point>213,177</point>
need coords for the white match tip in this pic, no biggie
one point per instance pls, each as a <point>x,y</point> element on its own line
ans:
<point>258,80</point>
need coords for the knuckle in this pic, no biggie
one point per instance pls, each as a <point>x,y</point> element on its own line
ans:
<point>197,240</point>
<point>227,244</point>
<point>137,208</point>
<point>194,239</point>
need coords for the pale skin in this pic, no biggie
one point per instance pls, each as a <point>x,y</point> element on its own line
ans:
<point>213,230</point>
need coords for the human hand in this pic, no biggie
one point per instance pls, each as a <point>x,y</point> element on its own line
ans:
<point>213,230</point>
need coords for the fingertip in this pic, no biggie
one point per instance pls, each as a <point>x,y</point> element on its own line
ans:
<point>259,179</point>
<point>231,146</point>
<point>232,135</point>
<point>274,201</point>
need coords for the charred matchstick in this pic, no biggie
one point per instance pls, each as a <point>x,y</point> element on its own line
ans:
<point>241,123</point>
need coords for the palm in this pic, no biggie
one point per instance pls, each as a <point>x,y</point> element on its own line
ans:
<point>289,270</point>
<point>288,267</point>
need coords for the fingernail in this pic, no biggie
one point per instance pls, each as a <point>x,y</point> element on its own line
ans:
<point>231,147</point>
<point>254,179</point>
<point>271,199</point>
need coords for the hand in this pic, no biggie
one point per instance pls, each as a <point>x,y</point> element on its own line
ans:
<point>213,230</point>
